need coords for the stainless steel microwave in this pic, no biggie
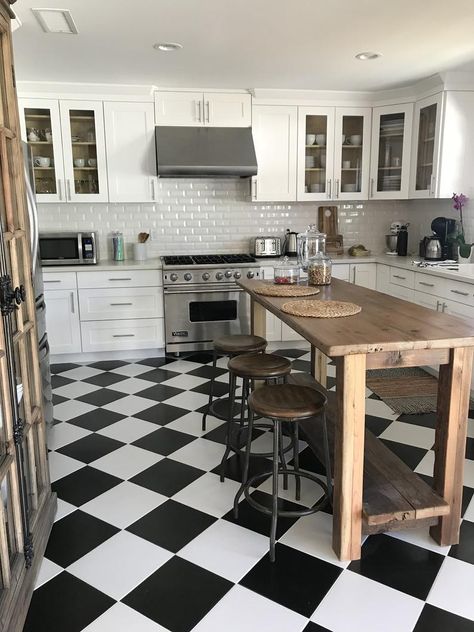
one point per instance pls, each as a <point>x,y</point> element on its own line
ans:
<point>66,249</point>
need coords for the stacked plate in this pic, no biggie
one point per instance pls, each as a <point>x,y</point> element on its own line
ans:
<point>391,127</point>
<point>391,183</point>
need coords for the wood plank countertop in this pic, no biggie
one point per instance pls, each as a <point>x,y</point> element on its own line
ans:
<point>385,324</point>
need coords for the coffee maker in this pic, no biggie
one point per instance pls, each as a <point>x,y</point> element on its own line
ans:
<point>443,228</point>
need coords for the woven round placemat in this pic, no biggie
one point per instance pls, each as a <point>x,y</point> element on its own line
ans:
<point>273,289</point>
<point>321,309</point>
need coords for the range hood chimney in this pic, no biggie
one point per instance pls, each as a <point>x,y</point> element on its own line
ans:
<point>200,152</point>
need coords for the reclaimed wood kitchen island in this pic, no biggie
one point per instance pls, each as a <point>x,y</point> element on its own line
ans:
<point>376,491</point>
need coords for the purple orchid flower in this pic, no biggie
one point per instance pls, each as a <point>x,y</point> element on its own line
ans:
<point>459,201</point>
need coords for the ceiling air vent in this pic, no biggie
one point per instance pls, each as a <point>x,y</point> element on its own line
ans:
<point>56,21</point>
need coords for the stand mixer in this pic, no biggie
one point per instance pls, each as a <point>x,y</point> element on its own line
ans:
<point>392,238</point>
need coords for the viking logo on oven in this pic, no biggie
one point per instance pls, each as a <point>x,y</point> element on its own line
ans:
<point>180,334</point>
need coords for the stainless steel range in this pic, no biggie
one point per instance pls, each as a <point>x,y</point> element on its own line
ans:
<point>202,299</point>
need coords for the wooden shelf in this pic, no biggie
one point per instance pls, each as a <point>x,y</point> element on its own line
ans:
<point>351,169</point>
<point>392,135</point>
<point>344,146</point>
<point>315,146</point>
<point>40,142</point>
<point>37,116</point>
<point>428,140</point>
<point>85,168</point>
<point>44,168</point>
<point>426,164</point>
<point>84,142</point>
<point>315,169</point>
<point>389,168</point>
<point>74,117</point>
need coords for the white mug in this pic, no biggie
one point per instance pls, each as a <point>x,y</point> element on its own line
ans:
<point>42,161</point>
<point>395,161</point>
<point>355,139</point>
<point>79,162</point>
<point>321,139</point>
<point>92,162</point>
<point>346,164</point>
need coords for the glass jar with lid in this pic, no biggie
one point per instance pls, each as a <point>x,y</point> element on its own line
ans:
<point>309,244</point>
<point>286,273</point>
<point>319,269</point>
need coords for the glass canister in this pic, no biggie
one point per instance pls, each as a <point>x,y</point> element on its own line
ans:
<point>319,269</point>
<point>117,246</point>
<point>286,273</point>
<point>309,244</point>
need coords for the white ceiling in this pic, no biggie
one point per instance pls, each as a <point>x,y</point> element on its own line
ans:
<point>304,44</point>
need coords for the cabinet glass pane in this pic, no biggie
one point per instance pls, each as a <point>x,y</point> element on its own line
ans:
<point>425,153</point>
<point>391,137</point>
<point>352,142</point>
<point>84,151</point>
<point>315,154</point>
<point>40,139</point>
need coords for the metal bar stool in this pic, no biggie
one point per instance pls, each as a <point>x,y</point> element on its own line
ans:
<point>229,346</point>
<point>250,367</point>
<point>290,403</point>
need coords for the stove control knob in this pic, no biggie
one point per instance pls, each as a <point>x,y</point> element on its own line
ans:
<point>174,276</point>
<point>206,276</point>
<point>219,276</point>
<point>250,274</point>
<point>237,275</point>
<point>188,276</point>
<point>228,274</point>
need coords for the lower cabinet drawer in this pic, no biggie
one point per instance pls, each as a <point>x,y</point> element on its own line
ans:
<point>119,278</point>
<point>405,278</point>
<point>117,335</point>
<point>121,303</point>
<point>430,284</point>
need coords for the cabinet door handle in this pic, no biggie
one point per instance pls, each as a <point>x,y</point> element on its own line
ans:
<point>119,304</point>
<point>207,111</point>
<point>432,181</point>
<point>60,191</point>
<point>254,188</point>
<point>427,284</point>
<point>153,189</point>
<point>121,279</point>
<point>337,189</point>
<point>68,190</point>
<point>73,307</point>
<point>329,187</point>
<point>354,275</point>
<point>123,336</point>
<point>397,276</point>
<point>459,292</point>
<point>52,281</point>
<point>371,187</point>
<point>444,307</point>
<point>438,305</point>
<point>199,115</point>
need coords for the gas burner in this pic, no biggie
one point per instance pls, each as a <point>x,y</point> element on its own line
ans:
<point>178,261</point>
<point>207,259</point>
<point>189,260</point>
<point>238,259</point>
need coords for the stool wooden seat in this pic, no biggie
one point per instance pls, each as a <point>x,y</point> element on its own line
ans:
<point>239,343</point>
<point>259,366</point>
<point>287,402</point>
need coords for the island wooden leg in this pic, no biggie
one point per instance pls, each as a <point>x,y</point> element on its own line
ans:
<point>349,456</point>
<point>319,366</point>
<point>450,444</point>
<point>258,319</point>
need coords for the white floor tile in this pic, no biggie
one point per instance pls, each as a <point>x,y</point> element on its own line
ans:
<point>181,366</point>
<point>377,408</point>
<point>127,461</point>
<point>131,386</point>
<point>410,434</point>
<point>470,428</point>
<point>208,494</point>
<point>226,549</point>
<point>425,466</point>
<point>200,453</point>
<point>119,564</point>
<point>192,424</point>
<point>128,430</point>
<point>124,504</point>
<point>130,405</point>
<point>63,510</point>
<point>331,370</point>
<point>132,370</point>
<point>241,609</point>
<point>71,409</point>
<point>185,381</point>
<point>311,492</point>
<point>452,589</point>
<point>61,465</point>
<point>61,434</point>
<point>81,373</point>
<point>313,535</point>
<point>121,618</point>
<point>359,604</point>
<point>420,537</point>
<point>469,515</point>
<point>48,570</point>
<point>75,389</point>
<point>188,400</point>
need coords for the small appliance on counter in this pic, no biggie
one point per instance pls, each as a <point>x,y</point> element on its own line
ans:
<point>262,246</point>
<point>290,245</point>
<point>66,249</point>
<point>445,228</point>
<point>392,238</point>
<point>431,249</point>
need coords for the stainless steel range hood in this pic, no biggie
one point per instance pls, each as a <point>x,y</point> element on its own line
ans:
<point>205,152</point>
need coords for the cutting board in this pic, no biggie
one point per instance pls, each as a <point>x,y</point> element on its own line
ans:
<point>327,220</point>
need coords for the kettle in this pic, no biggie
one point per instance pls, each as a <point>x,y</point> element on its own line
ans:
<point>433,248</point>
<point>289,245</point>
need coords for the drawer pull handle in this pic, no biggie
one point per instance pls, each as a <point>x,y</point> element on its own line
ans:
<point>397,276</point>
<point>119,304</point>
<point>459,292</point>
<point>121,279</point>
<point>427,284</point>
<point>52,281</point>
<point>123,336</point>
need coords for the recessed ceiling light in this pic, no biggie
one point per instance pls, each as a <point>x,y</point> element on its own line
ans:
<point>167,46</point>
<point>368,55</point>
<point>56,21</point>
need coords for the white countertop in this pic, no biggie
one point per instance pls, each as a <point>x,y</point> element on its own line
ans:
<point>150,264</point>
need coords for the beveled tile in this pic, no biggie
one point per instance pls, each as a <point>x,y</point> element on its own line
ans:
<point>128,429</point>
<point>63,433</point>
<point>126,462</point>
<point>129,405</point>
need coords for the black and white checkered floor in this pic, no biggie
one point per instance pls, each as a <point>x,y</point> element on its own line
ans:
<point>144,539</point>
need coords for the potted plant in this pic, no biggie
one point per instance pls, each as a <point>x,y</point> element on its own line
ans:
<point>464,249</point>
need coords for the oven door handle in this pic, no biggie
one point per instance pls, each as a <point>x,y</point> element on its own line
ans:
<point>199,289</point>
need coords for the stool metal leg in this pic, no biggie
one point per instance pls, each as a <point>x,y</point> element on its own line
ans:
<point>327,457</point>
<point>245,473</point>
<point>229,422</point>
<point>243,403</point>
<point>276,435</point>
<point>282,455</point>
<point>296,459</point>
<point>211,389</point>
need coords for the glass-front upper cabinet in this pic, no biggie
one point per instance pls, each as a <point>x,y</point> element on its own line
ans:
<point>426,147</point>
<point>315,153</point>
<point>390,155</point>
<point>82,125</point>
<point>41,129</point>
<point>352,153</point>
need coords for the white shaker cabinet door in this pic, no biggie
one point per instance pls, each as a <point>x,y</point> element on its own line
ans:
<point>131,162</point>
<point>223,109</point>
<point>364,274</point>
<point>179,108</point>
<point>62,321</point>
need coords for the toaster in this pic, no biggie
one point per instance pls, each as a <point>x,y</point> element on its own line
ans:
<point>265,246</point>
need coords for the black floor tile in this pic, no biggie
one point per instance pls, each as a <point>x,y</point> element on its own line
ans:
<point>219,434</point>
<point>84,485</point>
<point>314,627</point>
<point>178,595</point>
<point>427,420</point>
<point>309,461</point>
<point>470,448</point>
<point>61,367</point>
<point>161,414</point>
<point>219,388</point>
<point>102,397</point>
<point>158,375</point>
<point>57,399</point>
<point>167,477</point>
<point>172,525</point>
<point>465,549</point>
<point>434,619</point>
<point>58,380</point>
<point>108,365</point>
<point>159,392</point>
<point>467,492</point>
<point>258,465</point>
<point>259,522</point>
<point>291,353</point>
<point>400,565</point>
<point>106,379</point>
<point>301,365</point>
<point>377,425</point>
<point>75,535</point>
<point>207,372</point>
<point>164,441</point>
<point>65,603</point>
<point>295,580</point>
<point>90,448</point>
<point>158,361</point>
<point>96,419</point>
<point>409,454</point>
<point>201,357</point>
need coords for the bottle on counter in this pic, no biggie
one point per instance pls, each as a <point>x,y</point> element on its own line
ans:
<point>402,241</point>
<point>118,247</point>
<point>319,269</point>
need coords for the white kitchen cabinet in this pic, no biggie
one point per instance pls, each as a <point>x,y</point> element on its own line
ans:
<point>122,335</point>
<point>274,131</point>
<point>364,274</point>
<point>383,278</point>
<point>130,147</point>
<point>211,109</point>
<point>120,303</point>
<point>341,271</point>
<point>428,300</point>
<point>425,147</point>
<point>390,154</point>
<point>352,153</point>
<point>62,321</point>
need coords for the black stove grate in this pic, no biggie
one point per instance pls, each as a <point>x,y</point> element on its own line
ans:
<point>178,261</point>
<point>186,260</point>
